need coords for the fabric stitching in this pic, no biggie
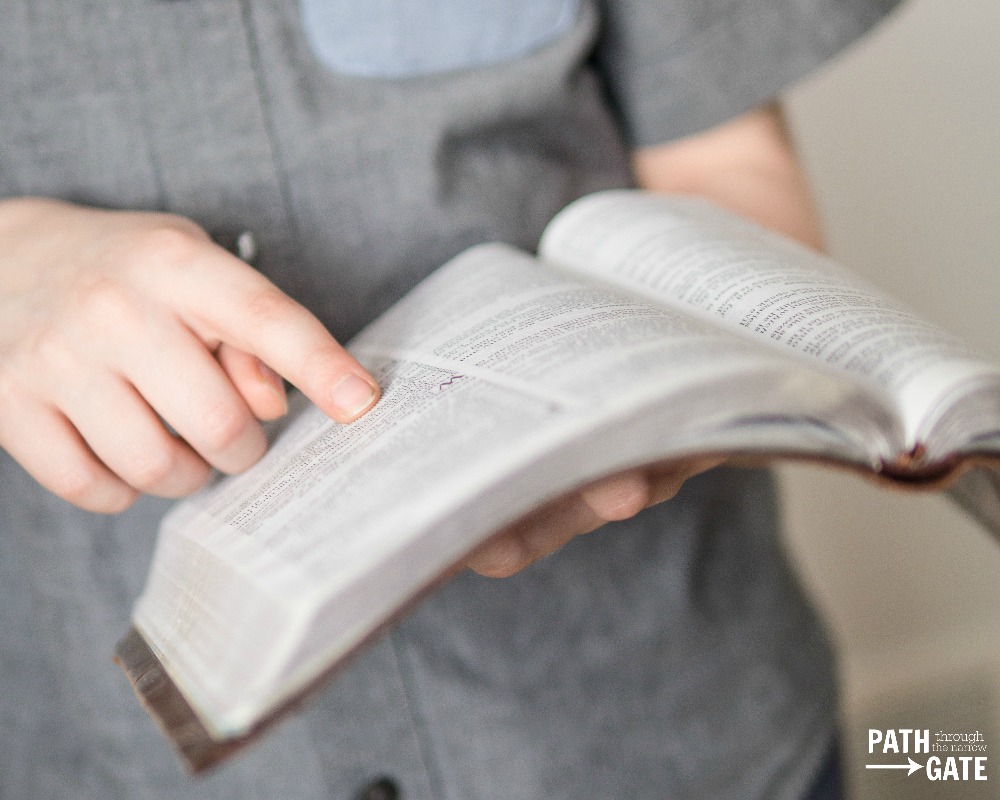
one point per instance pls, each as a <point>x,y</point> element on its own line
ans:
<point>281,174</point>
<point>432,770</point>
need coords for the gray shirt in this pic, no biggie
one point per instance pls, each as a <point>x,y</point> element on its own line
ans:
<point>669,656</point>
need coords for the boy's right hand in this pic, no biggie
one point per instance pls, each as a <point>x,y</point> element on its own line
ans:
<point>115,325</point>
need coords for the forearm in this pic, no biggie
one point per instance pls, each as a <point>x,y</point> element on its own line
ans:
<point>747,164</point>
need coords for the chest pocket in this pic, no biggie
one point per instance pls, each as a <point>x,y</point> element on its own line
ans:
<point>411,38</point>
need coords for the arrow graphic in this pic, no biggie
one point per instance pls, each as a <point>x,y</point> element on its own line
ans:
<point>913,766</point>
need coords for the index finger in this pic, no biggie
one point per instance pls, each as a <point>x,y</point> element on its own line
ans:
<point>233,303</point>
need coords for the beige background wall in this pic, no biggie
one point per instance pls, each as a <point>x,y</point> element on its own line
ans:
<point>902,139</point>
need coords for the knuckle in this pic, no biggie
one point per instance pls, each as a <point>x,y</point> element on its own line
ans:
<point>103,302</point>
<point>268,305</point>
<point>174,241</point>
<point>80,484</point>
<point>631,503</point>
<point>501,559</point>
<point>50,349</point>
<point>222,427</point>
<point>323,364</point>
<point>151,468</point>
<point>619,499</point>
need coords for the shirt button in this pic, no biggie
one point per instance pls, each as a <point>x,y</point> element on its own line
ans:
<point>383,788</point>
<point>243,245</point>
<point>246,247</point>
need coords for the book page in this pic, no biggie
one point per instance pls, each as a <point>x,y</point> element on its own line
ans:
<point>691,254</point>
<point>491,365</point>
<point>490,348</point>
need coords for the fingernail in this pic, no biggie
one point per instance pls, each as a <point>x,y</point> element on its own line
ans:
<point>353,395</point>
<point>273,381</point>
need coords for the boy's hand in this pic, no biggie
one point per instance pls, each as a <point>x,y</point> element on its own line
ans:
<point>116,325</point>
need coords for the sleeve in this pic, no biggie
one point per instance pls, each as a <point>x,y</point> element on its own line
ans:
<point>675,67</point>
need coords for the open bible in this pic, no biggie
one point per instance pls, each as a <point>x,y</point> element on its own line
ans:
<point>647,329</point>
